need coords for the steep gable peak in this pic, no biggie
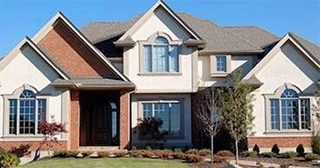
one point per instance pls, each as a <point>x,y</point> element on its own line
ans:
<point>159,5</point>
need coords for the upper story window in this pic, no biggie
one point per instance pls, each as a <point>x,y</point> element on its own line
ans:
<point>220,65</point>
<point>221,61</point>
<point>288,111</point>
<point>160,54</point>
<point>25,111</point>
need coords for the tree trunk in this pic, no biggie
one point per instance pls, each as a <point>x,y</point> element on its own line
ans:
<point>237,151</point>
<point>212,146</point>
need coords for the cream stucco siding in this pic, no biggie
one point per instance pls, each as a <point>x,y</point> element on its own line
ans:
<point>185,102</point>
<point>167,82</point>
<point>288,65</point>
<point>28,68</point>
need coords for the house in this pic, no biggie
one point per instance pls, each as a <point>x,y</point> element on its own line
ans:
<point>102,78</point>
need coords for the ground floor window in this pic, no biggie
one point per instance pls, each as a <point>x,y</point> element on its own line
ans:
<point>288,111</point>
<point>168,112</point>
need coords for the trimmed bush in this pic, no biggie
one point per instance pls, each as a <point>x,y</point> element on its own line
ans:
<point>250,154</point>
<point>65,154</point>
<point>2,151</point>
<point>300,150</point>
<point>164,154</point>
<point>316,144</point>
<point>8,160</point>
<point>104,154</point>
<point>225,153</point>
<point>86,153</point>
<point>220,159</point>
<point>256,149</point>
<point>311,156</point>
<point>284,165</point>
<point>275,149</point>
<point>192,151</point>
<point>288,155</point>
<point>269,154</point>
<point>136,153</point>
<point>192,158</point>
<point>147,153</point>
<point>204,152</point>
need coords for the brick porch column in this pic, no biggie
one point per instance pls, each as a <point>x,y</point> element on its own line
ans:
<point>74,120</point>
<point>124,132</point>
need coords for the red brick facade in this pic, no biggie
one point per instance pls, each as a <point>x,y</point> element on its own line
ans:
<point>280,141</point>
<point>72,54</point>
<point>124,119</point>
<point>74,129</point>
<point>7,145</point>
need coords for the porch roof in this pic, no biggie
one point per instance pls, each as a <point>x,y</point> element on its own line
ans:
<point>94,83</point>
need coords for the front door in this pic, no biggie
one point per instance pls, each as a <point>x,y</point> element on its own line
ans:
<point>97,119</point>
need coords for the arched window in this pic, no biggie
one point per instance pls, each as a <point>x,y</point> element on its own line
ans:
<point>161,56</point>
<point>289,111</point>
<point>25,112</point>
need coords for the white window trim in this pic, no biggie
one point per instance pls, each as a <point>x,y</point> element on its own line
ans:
<point>213,66</point>
<point>277,95</point>
<point>150,41</point>
<point>180,101</point>
<point>16,95</point>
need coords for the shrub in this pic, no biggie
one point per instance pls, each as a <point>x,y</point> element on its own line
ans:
<point>2,151</point>
<point>289,154</point>
<point>251,154</point>
<point>65,154</point>
<point>284,165</point>
<point>192,158</point>
<point>220,159</point>
<point>86,153</point>
<point>204,152</point>
<point>316,144</point>
<point>104,154</point>
<point>9,160</point>
<point>300,150</point>
<point>178,154</point>
<point>311,156</point>
<point>120,153</point>
<point>256,149</point>
<point>164,154</point>
<point>20,151</point>
<point>136,153</point>
<point>147,153</point>
<point>225,153</point>
<point>269,154</point>
<point>275,149</point>
<point>192,151</point>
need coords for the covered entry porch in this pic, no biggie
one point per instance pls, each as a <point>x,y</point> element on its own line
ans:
<point>99,114</point>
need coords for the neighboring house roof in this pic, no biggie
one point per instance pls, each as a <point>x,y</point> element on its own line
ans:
<point>101,83</point>
<point>254,35</point>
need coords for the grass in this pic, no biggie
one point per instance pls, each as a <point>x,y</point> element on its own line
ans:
<point>105,162</point>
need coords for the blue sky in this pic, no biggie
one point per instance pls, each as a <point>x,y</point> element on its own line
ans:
<point>20,18</point>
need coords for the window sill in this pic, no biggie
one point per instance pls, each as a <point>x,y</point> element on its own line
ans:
<point>160,73</point>
<point>288,132</point>
<point>27,136</point>
<point>219,74</point>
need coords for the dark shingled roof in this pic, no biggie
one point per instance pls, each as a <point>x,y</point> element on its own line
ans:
<point>93,83</point>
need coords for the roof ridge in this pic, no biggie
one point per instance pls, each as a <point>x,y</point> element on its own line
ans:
<point>294,34</point>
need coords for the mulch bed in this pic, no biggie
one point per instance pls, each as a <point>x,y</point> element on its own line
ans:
<point>208,165</point>
<point>292,162</point>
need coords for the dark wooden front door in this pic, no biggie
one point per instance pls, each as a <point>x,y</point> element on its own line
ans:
<point>96,120</point>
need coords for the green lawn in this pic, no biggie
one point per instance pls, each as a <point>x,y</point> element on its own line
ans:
<point>106,162</point>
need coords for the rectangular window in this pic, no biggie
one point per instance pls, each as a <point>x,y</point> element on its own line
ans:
<point>305,113</point>
<point>160,59</point>
<point>27,118</point>
<point>13,116</point>
<point>274,113</point>
<point>147,59</point>
<point>169,113</point>
<point>221,63</point>
<point>289,109</point>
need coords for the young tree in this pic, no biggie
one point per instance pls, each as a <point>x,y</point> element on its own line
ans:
<point>236,109</point>
<point>316,109</point>
<point>208,114</point>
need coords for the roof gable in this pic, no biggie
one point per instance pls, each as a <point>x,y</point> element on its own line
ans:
<point>27,41</point>
<point>287,38</point>
<point>60,18</point>
<point>148,14</point>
